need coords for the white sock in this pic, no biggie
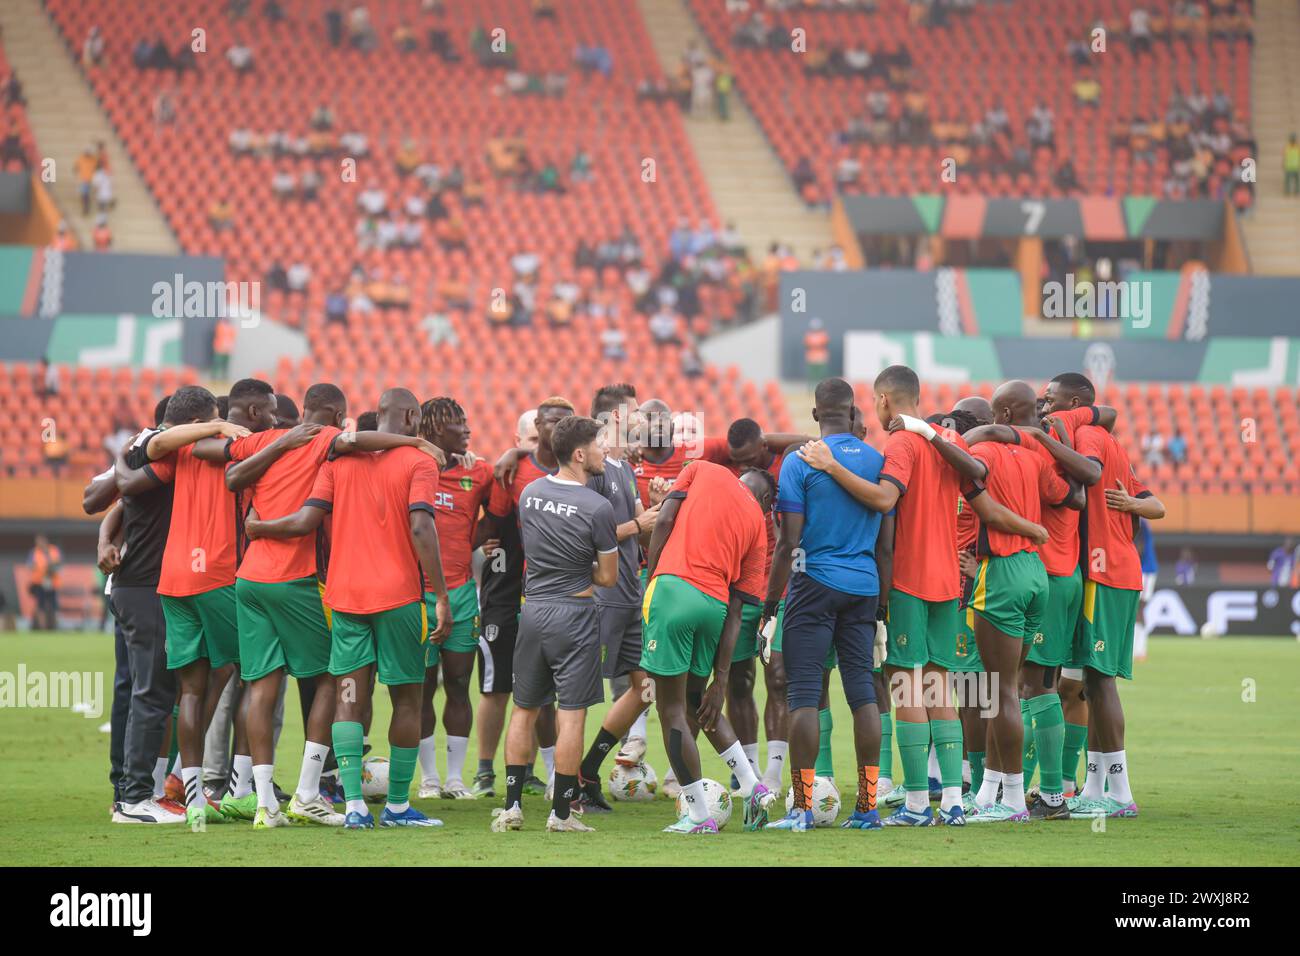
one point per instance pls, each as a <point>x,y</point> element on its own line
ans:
<point>933,768</point>
<point>1092,784</point>
<point>193,778</point>
<point>776,751</point>
<point>965,772</point>
<point>241,776</point>
<point>751,754</point>
<point>159,777</point>
<point>428,760</point>
<point>638,726</point>
<point>988,794</point>
<point>884,785</point>
<point>457,747</point>
<point>356,806</point>
<point>918,800</point>
<point>399,807</point>
<point>265,789</point>
<point>951,798</point>
<point>1116,765</point>
<point>313,760</point>
<point>697,805</point>
<point>176,765</point>
<point>548,760</point>
<point>734,757</point>
<point>1013,791</point>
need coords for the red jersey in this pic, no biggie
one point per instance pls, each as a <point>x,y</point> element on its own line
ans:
<point>501,502</point>
<point>1020,480</point>
<point>1061,553</point>
<point>281,491</point>
<point>718,451</point>
<point>373,566</point>
<point>200,552</point>
<point>668,470</point>
<point>461,492</point>
<point>925,525</point>
<point>1111,558</point>
<point>718,540</point>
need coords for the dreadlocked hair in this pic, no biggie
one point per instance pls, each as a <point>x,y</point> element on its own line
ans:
<point>437,413</point>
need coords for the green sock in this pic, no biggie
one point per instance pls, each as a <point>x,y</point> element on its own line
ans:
<point>1028,755</point>
<point>947,745</point>
<point>824,767</point>
<point>914,748</point>
<point>887,745</point>
<point>175,747</point>
<point>347,738</point>
<point>1049,740</point>
<point>401,768</point>
<point>1076,736</point>
<point>976,758</point>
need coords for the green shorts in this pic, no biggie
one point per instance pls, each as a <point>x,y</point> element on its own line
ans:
<point>832,659</point>
<point>680,627</point>
<point>1011,594</point>
<point>968,652</point>
<point>1104,639</point>
<point>747,641</point>
<point>202,626</point>
<point>922,632</point>
<point>464,627</point>
<point>394,639</point>
<point>1055,645</point>
<point>281,625</point>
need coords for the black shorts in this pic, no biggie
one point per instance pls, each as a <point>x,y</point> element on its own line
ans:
<point>620,639</point>
<point>498,629</point>
<point>818,618</point>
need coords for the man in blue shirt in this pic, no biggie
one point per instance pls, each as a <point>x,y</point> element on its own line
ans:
<point>831,603</point>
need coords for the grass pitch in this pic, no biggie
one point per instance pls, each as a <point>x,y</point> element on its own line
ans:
<point>1206,720</point>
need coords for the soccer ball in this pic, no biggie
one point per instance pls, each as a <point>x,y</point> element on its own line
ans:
<point>635,784</point>
<point>374,778</point>
<point>1209,632</point>
<point>720,802</point>
<point>825,802</point>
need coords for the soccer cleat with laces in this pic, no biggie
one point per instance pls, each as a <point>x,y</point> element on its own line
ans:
<point>999,813</point>
<point>894,797</point>
<point>757,805</point>
<point>508,818</point>
<point>862,821</point>
<point>456,790</point>
<point>359,821</point>
<point>270,819</point>
<point>570,824</point>
<point>410,817</point>
<point>903,817</point>
<point>631,753</point>
<point>968,805</point>
<point>954,816</point>
<point>1083,808</point>
<point>796,820</point>
<point>431,790</point>
<point>239,808</point>
<point>1116,810</point>
<point>146,811</point>
<point>485,785</point>
<point>316,810</point>
<point>1042,810</point>
<point>534,786</point>
<point>591,798</point>
<point>685,825</point>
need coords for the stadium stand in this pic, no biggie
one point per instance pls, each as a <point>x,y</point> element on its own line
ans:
<point>17,145</point>
<point>966,89</point>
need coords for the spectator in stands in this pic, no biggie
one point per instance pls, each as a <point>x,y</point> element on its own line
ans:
<point>334,26</point>
<point>276,277</point>
<point>1177,448</point>
<point>692,365</point>
<point>92,49</point>
<point>273,11</point>
<point>309,184</point>
<point>439,329</point>
<point>284,184</point>
<point>164,109</point>
<point>1139,30</point>
<point>613,340</point>
<point>336,308</point>
<point>322,117</point>
<point>237,9</point>
<point>1153,447</point>
<point>1291,167</point>
<point>1078,51</point>
<point>85,171</point>
<point>544,9</point>
<point>11,150</point>
<point>722,85</point>
<point>1066,179</point>
<point>44,564</point>
<point>1221,105</point>
<point>679,241</point>
<point>1041,125</point>
<point>580,168</point>
<point>184,58</point>
<point>665,327</point>
<point>221,215</point>
<point>1087,91</point>
<point>47,383</point>
<point>102,182</point>
<point>240,58</point>
<point>355,144</point>
<point>64,240</point>
<point>1282,564</point>
<point>298,276</point>
<point>373,200</point>
<point>404,38</point>
<point>223,345</point>
<point>407,158</point>
<point>803,174</point>
<point>102,236</point>
<point>361,33</point>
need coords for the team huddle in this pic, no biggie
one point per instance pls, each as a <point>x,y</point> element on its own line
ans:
<point>975,583</point>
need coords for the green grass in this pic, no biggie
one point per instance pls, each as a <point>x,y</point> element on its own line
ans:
<point>1192,742</point>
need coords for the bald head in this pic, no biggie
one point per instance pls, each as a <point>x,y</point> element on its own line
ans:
<point>1013,403</point>
<point>978,406</point>
<point>658,427</point>
<point>399,412</point>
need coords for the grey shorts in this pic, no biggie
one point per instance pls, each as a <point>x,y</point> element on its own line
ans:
<point>620,640</point>
<point>557,655</point>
